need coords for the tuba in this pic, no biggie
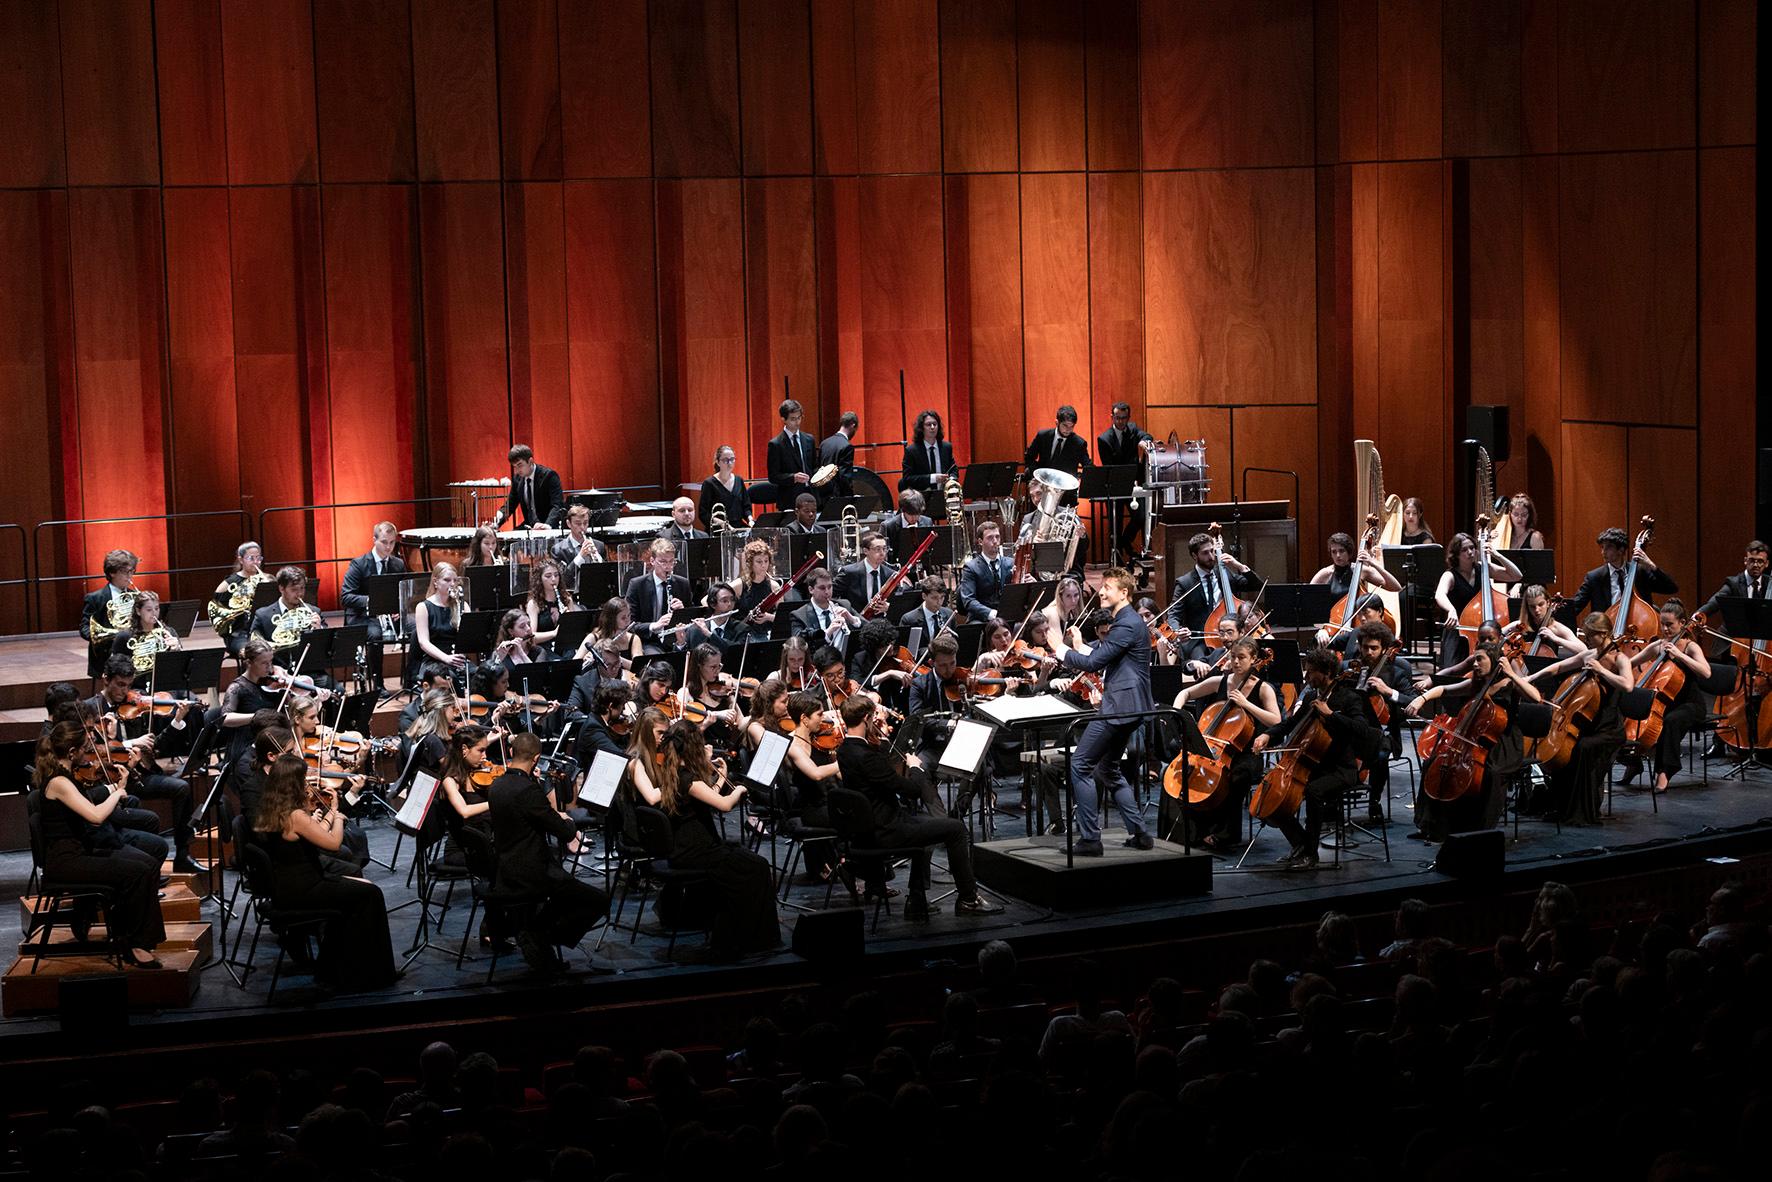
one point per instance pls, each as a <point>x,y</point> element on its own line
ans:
<point>287,626</point>
<point>143,649</point>
<point>849,545</point>
<point>956,501</point>
<point>717,523</point>
<point>1056,524</point>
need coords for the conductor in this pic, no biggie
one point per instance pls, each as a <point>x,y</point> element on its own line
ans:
<point>1123,658</point>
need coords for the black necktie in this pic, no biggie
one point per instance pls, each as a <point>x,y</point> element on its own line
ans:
<point>824,618</point>
<point>378,567</point>
<point>1759,589</point>
<point>873,584</point>
<point>934,463</point>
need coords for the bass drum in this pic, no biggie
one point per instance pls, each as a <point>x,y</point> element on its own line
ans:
<point>864,480</point>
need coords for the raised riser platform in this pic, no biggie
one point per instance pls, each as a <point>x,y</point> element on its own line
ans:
<point>169,987</point>
<point>1033,868</point>
<point>178,904</point>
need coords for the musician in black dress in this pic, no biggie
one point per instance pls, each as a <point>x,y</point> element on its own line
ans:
<point>138,735</point>
<point>436,621</point>
<point>690,789</point>
<point>1339,574</point>
<point>1343,716</point>
<point>1217,826</point>
<point>1602,586</point>
<point>1576,789</point>
<point>69,822</point>
<point>1459,585</point>
<point>1415,528</point>
<point>1482,807</point>
<point>247,695</point>
<point>1686,711</point>
<point>529,835</point>
<point>725,487</point>
<point>296,828</point>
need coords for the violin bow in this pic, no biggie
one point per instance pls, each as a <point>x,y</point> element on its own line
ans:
<point>290,686</point>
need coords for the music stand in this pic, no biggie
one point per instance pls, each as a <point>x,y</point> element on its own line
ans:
<point>831,512</point>
<point>474,633</point>
<point>1192,743</point>
<point>1020,599</point>
<point>593,582</point>
<point>758,659</point>
<point>605,507</point>
<point>489,587</point>
<point>970,637</point>
<point>383,593</point>
<point>1416,566</point>
<point>1049,559</point>
<point>357,711</point>
<point>1748,620</point>
<point>1287,667</point>
<point>698,559</point>
<point>574,627</point>
<point>265,594</point>
<point>1166,682</point>
<point>180,615</point>
<point>989,481</point>
<point>1298,606</point>
<point>677,659</point>
<point>804,546</point>
<point>1536,566</point>
<point>940,552</point>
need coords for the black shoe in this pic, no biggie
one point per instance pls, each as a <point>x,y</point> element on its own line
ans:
<point>976,906</point>
<point>1717,750</point>
<point>1087,849</point>
<point>1139,841</point>
<point>1305,861</point>
<point>917,908</point>
<point>536,955</point>
<point>1056,829</point>
<point>184,865</point>
<point>153,962</point>
<point>1375,816</point>
<point>1632,770</point>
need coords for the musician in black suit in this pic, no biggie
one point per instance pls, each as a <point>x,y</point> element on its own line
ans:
<point>868,769</point>
<point>909,516</point>
<point>96,616</point>
<point>985,574</point>
<point>1059,447</point>
<point>654,597</point>
<point>1603,584</point>
<point>805,518</point>
<point>1343,715</point>
<point>793,455</point>
<point>1754,582</point>
<point>576,546</point>
<point>839,449</point>
<point>823,619</point>
<point>932,615</point>
<point>603,711</point>
<point>1124,442</point>
<point>682,526</point>
<point>928,462</point>
<point>860,581</point>
<point>530,834</point>
<point>1197,592</point>
<point>381,560</point>
<point>534,489</point>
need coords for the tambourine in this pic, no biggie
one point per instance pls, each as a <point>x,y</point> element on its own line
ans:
<point>823,476</point>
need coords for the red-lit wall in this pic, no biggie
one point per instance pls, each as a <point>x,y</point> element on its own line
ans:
<point>275,252</point>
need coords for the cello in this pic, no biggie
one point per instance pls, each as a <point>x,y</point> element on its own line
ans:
<point>1488,606</point>
<point>1666,677</point>
<point>1227,598</point>
<point>1228,730</point>
<point>1454,753</point>
<point>1281,790</point>
<point>1632,619</point>
<point>1341,616</point>
<point>1573,708</point>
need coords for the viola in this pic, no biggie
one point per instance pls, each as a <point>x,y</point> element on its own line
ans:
<point>1666,677</point>
<point>1307,743</point>
<point>480,707</point>
<point>1228,730</point>
<point>1576,702</point>
<point>671,706</point>
<point>485,774</point>
<point>1634,622</point>
<point>1166,635</point>
<point>91,771</point>
<point>1087,687</point>
<point>832,736</point>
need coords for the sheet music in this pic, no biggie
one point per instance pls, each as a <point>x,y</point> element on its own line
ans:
<point>418,802</point>
<point>1011,710</point>
<point>602,778</point>
<point>967,746</point>
<point>766,764</point>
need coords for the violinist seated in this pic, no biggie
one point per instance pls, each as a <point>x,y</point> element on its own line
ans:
<point>1602,586</point>
<point>128,823</point>
<point>494,705</point>
<point>607,726</point>
<point>876,663</point>
<point>431,676</point>
<point>1231,628</point>
<point>1340,712</point>
<point>527,833</point>
<point>824,619</point>
<point>1481,807</point>
<point>838,688</point>
<point>1339,574</point>
<point>709,698</point>
<point>330,772</point>
<point>815,734</point>
<point>937,694</point>
<point>1163,647</point>
<point>1216,826</point>
<point>868,769</point>
<point>768,712</point>
<point>861,582</point>
<point>1576,788</point>
<point>1387,684</point>
<point>467,774</point>
<point>284,619</point>
<point>1684,710</point>
<point>1197,592</point>
<point>133,725</point>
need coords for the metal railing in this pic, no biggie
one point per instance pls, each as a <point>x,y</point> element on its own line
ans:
<point>1273,472</point>
<point>37,545</point>
<point>24,580</point>
<point>331,505</point>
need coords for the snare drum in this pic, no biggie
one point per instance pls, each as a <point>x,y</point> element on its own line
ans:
<point>435,543</point>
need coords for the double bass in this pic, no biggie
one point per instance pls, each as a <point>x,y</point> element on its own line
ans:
<point>1341,616</point>
<point>1455,752</point>
<point>1228,730</point>
<point>1633,621</point>
<point>1666,677</point>
<point>1227,598</point>
<point>1281,790</point>
<point>1488,605</point>
<point>1735,728</point>
<point>1576,702</point>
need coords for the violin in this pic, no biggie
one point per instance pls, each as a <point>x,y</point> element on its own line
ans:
<point>136,705</point>
<point>280,681</point>
<point>1166,635</point>
<point>485,774</point>
<point>92,770</point>
<point>480,707</point>
<point>957,686</point>
<point>1228,730</point>
<point>1667,677</point>
<point>832,736</point>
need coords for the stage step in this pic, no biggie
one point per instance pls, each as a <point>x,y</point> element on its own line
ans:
<point>180,937</point>
<point>1034,869</point>
<point>178,904</point>
<point>169,987</point>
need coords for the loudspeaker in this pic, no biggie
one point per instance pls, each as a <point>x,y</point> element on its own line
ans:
<point>93,1006</point>
<point>1488,426</point>
<point>829,936</point>
<point>1472,855</point>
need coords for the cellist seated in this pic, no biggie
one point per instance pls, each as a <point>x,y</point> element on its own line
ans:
<point>1236,703</point>
<point>1503,681</point>
<point>1672,656</point>
<point>1337,709</point>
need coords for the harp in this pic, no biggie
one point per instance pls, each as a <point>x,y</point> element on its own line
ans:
<point>1370,497</point>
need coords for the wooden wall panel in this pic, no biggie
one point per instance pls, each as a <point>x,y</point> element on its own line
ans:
<point>1497,312</point>
<point>1541,369</point>
<point>279,356</point>
<point>781,306</point>
<point>1663,483</point>
<point>1625,74</point>
<point>119,367</point>
<point>372,357</point>
<point>701,320</point>
<point>467,407</point>
<point>31,151</point>
<point>903,314</point>
<point>1413,418</point>
<point>201,398</point>
<point>694,88</point>
<point>108,92</point>
<point>268,55</point>
<point>1539,77</point>
<point>1363,297</point>
<point>1111,81</point>
<point>612,331</point>
<point>363,73</point>
<point>1223,324</point>
<point>838,229</point>
<point>984,300</point>
<point>836,142</point>
<point>1347,81</point>
<point>1728,367</point>
<point>188,70</point>
<point>1335,337</point>
<point>1055,298</point>
<point>529,90</point>
<point>978,86</point>
<point>1049,60</point>
<point>1409,68</point>
<point>775,86</point>
<point>897,86</point>
<point>605,103</point>
<point>1227,85</point>
<point>1116,293</point>
<point>535,312</point>
<point>1728,80</point>
<point>455,90</point>
<point>1628,270</point>
<point>1591,491</point>
<point>1482,92</point>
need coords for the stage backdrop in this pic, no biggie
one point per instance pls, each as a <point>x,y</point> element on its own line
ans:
<point>268,253</point>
